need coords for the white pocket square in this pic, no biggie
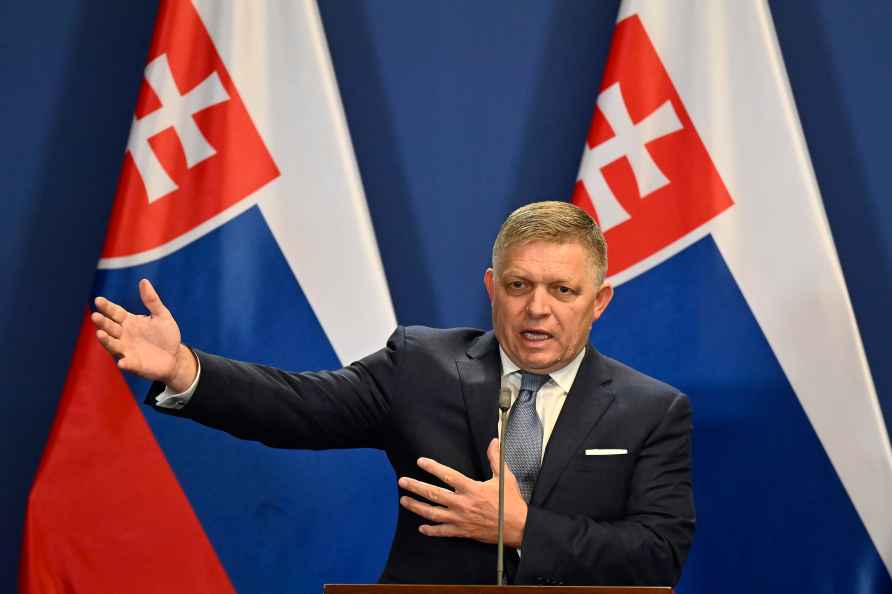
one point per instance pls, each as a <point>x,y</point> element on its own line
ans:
<point>608,452</point>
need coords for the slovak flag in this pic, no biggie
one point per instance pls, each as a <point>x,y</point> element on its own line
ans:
<point>729,287</point>
<point>240,199</point>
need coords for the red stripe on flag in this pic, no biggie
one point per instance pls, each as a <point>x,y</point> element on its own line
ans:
<point>106,513</point>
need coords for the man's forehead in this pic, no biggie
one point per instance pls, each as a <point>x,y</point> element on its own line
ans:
<point>559,253</point>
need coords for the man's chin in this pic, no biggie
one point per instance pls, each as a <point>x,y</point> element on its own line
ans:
<point>538,363</point>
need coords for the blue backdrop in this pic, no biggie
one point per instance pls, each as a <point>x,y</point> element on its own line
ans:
<point>459,111</point>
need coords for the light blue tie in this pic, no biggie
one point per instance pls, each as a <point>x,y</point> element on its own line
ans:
<point>523,437</point>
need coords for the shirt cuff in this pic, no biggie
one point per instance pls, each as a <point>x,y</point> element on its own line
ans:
<point>170,399</point>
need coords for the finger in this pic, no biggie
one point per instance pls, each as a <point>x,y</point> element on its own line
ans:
<point>451,477</point>
<point>433,513</point>
<point>441,530</point>
<point>492,452</point>
<point>110,327</point>
<point>432,493</point>
<point>111,344</point>
<point>110,309</point>
<point>150,298</point>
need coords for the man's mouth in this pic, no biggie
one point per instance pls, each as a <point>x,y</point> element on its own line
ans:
<point>535,335</point>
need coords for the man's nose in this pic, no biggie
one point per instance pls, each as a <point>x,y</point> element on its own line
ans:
<point>538,303</point>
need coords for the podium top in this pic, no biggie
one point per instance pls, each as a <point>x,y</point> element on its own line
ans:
<point>453,589</point>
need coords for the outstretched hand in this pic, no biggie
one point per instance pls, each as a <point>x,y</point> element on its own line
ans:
<point>148,345</point>
<point>471,509</point>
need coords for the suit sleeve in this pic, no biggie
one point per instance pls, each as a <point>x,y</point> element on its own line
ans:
<point>648,545</point>
<point>347,408</point>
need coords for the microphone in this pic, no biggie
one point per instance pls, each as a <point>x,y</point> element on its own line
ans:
<point>504,405</point>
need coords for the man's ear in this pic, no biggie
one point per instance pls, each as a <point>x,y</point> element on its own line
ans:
<point>602,299</point>
<point>488,283</point>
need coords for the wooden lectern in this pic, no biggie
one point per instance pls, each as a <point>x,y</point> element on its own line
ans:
<point>436,589</point>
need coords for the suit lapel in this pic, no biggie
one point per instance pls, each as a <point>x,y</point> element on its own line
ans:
<point>480,377</point>
<point>588,400</point>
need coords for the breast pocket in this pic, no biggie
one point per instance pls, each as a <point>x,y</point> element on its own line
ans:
<point>594,460</point>
<point>596,486</point>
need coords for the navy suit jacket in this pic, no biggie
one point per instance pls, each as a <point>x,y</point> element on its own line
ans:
<point>615,519</point>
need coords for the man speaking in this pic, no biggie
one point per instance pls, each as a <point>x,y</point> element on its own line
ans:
<point>599,488</point>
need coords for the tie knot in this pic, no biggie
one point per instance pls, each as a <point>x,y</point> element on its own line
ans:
<point>532,381</point>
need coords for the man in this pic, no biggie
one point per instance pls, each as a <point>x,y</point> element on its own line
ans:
<point>601,453</point>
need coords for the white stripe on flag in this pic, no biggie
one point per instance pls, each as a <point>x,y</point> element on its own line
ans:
<point>316,209</point>
<point>776,239</point>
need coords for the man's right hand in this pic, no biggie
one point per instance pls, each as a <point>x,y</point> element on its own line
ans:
<point>148,346</point>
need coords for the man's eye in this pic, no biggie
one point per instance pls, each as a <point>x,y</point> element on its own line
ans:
<point>564,290</point>
<point>517,284</point>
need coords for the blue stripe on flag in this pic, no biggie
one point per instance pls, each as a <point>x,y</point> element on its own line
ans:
<point>767,496</point>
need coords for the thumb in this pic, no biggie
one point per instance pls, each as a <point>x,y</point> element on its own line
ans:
<point>492,452</point>
<point>150,298</point>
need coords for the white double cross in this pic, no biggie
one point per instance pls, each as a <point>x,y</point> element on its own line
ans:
<point>628,141</point>
<point>176,111</point>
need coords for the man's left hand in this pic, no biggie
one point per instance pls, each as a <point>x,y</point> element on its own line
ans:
<point>471,509</point>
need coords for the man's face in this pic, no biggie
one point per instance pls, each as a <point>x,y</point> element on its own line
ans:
<point>544,301</point>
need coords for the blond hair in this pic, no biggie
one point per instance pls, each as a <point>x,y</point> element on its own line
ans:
<point>557,222</point>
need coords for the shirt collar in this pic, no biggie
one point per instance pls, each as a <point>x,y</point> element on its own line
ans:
<point>563,377</point>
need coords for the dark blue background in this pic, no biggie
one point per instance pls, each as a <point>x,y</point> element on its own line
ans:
<point>459,111</point>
